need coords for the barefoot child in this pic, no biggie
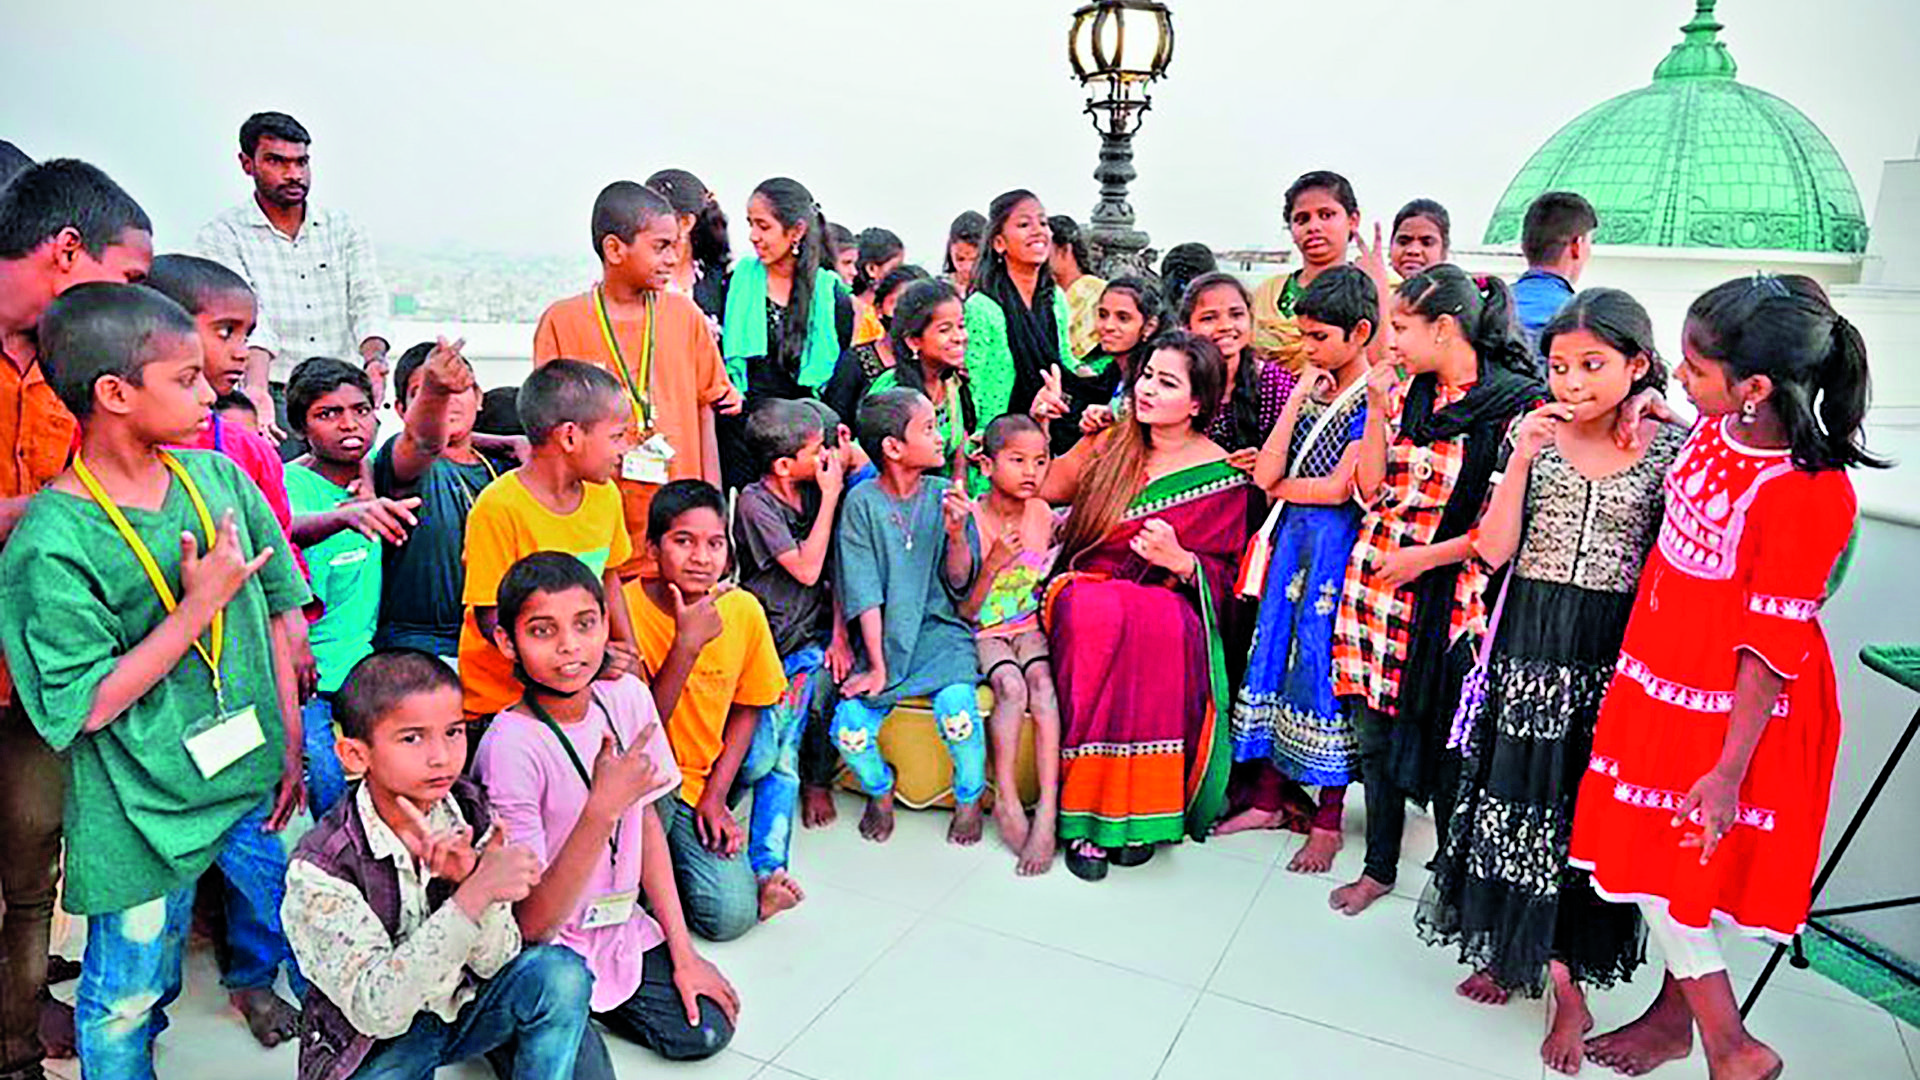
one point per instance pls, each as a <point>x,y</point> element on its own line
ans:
<point>1574,515</point>
<point>900,574</point>
<point>715,675</point>
<point>1288,727</point>
<point>1411,600</point>
<point>400,903</point>
<point>1712,764</point>
<point>1012,531</point>
<point>146,646</point>
<point>592,826</point>
<point>783,539</point>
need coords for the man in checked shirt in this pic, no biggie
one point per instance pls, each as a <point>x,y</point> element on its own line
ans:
<point>312,267</point>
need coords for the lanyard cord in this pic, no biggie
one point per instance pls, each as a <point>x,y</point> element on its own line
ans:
<point>147,563</point>
<point>639,388</point>
<point>586,777</point>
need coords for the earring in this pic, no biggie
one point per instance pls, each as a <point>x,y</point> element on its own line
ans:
<point>796,247</point>
<point>1747,410</point>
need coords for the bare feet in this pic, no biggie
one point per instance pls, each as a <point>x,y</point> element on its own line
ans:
<point>56,1027</point>
<point>1316,855</point>
<point>778,893</point>
<point>1565,1047</point>
<point>816,807</point>
<point>1663,1033</point>
<point>877,823</point>
<point>1751,1060</point>
<point>1480,987</point>
<point>1037,857</point>
<point>1357,897</point>
<point>1011,821</point>
<point>967,824</point>
<point>1249,820</point>
<point>271,1020</point>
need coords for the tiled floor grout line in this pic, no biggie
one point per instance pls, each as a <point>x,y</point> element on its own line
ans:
<point>1908,1039</point>
<point>1252,902</point>
<point>1420,1051</point>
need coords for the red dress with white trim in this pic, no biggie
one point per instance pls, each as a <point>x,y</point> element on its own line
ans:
<point>1741,565</point>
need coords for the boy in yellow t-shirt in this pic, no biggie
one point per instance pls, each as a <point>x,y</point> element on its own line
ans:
<point>576,416</point>
<point>715,671</point>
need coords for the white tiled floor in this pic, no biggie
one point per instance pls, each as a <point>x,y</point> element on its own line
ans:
<point>920,960</point>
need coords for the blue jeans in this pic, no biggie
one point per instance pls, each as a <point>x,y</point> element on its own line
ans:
<point>326,781</point>
<point>528,1019</point>
<point>956,710</point>
<point>131,971</point>
<point>719,895</point>
<point>772,764</point>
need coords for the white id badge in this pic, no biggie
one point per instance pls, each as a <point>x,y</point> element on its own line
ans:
<point>613,909</point>
<point>215,744</point>
<point>643,467</point>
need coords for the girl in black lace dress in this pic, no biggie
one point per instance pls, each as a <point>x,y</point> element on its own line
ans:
<point>1575,516</point>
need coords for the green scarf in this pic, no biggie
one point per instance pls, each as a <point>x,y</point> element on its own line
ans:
<point>743,334</point>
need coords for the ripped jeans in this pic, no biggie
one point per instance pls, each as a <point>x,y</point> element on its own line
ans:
<point>132,968</point>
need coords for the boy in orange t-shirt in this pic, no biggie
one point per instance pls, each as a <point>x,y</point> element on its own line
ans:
<point>561,500</point>
<point>655,341</point>
<point>715,671</point>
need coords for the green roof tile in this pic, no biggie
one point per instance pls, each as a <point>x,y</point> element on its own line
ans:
<point>1696,159</point>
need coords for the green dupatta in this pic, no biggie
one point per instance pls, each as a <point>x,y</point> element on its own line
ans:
<point>743,334</point>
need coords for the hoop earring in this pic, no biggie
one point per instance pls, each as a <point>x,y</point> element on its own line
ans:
<point>1747,411</point>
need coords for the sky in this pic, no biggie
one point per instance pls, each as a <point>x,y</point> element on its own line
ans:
<point>490,126</point>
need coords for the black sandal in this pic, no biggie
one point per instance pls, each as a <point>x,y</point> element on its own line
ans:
<point>1131,856</point>
<point>1084,866</point>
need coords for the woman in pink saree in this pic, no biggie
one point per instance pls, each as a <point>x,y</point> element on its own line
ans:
<point>1158,524</point>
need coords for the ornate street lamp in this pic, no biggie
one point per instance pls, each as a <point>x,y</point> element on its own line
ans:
<point>1118,48</point>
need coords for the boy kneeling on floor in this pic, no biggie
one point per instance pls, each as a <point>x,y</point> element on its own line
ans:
<point>400,903</point>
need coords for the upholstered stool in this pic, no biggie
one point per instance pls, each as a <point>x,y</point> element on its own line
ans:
<point>923,772</point>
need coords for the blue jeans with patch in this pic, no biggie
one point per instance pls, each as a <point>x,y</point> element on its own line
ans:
<point>131,971</point>
<point>528,1020</point>
<point>772,764</point>
<point>956,711</point>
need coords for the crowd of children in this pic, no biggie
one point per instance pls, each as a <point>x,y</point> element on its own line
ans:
<point>1370,522</point>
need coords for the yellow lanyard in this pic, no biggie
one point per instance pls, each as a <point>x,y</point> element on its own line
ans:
<point>140,551</point>
<point>639,388</point>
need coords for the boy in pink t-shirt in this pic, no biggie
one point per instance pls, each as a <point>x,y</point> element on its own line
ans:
<point>572,770</point>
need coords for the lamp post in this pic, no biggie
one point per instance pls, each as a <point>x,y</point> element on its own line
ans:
<point>1118,48</point>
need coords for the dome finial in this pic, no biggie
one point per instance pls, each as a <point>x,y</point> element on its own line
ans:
<point>1701,54</point>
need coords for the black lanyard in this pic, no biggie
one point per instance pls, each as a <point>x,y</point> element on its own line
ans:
<point>586,777</point>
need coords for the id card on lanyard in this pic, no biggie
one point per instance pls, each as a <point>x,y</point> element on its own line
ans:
<point>614,908</point>
<point>214,742</point>
<point>647,462</point>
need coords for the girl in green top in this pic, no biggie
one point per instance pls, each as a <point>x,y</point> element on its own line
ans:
<point>930,341</point>
<point>1017,320</point>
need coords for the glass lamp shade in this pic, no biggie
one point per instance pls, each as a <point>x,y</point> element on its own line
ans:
<point>1121,41</point>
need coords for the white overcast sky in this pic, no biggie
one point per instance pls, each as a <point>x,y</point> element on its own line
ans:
<point>491,125</point>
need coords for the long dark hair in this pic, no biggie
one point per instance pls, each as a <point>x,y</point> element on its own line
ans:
<point>876,245</point>
<point>1245,402</point>
<point>792,205</point>
<point>1153,318</point>
<point>1483,308</point>
<point>1619,321</point>
<point>911,317</point>
<point>968,227</point>
<point>1785,328</point>
<point>1117,472</point>
<point>992,267</point>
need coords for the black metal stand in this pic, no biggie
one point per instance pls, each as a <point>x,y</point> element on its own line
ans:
<point>1815,916</point>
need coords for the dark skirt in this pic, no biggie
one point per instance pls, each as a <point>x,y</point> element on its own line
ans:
<point>1501,888</point>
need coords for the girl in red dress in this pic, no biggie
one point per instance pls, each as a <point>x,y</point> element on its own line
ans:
<point>1712,763</point>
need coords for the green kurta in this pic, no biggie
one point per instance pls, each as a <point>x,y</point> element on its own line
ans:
<point>990,358</point>
<point>140,819</point>
<point>893,557</point>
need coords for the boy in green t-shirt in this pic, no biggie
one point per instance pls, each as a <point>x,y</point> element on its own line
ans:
<point>137,605</point>
<point>330,405</point>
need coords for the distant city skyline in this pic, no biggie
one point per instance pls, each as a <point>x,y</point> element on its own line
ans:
<point>440,131</point>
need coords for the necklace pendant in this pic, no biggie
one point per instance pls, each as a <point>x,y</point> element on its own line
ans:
<point>909,541</point>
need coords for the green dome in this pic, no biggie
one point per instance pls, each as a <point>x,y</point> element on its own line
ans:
<point>1696,160</point>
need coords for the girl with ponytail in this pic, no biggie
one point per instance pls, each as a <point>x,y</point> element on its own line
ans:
<point>1712,764</point>
<point>1410,611</point>
<point>1017,319</point>
<point>788,318</point>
